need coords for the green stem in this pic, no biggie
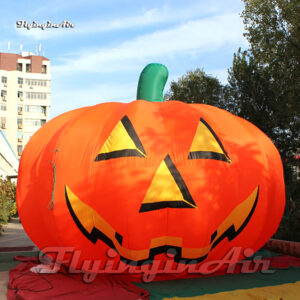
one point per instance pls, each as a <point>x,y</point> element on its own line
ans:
<point>152,82</point>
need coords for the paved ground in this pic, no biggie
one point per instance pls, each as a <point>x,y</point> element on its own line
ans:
<point>13,236</point>
<point>3,284</point>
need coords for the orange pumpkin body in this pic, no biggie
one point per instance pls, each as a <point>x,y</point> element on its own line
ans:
<point>119,168</point>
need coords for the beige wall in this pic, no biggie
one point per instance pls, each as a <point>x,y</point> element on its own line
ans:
<point>28,108</point>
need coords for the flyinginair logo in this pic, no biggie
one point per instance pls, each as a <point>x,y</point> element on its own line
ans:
<point>148,269</point>
<point>43,26</point>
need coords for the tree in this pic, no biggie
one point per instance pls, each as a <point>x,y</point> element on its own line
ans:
<point>264,84</point>
<point>197,87</point>
<point>273,31</point>
<point>8,206</point>
<point>265,80</point>
<point>259,98</point>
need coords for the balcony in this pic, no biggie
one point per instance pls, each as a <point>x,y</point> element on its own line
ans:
<point>3,125</point>
<point>20,112</point>
<point>21,98</point>
<point>20,140</point>
<point>4,98</point>
<point>20,126</point>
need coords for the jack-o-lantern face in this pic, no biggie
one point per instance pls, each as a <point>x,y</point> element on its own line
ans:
<point>167,190</point>
<point>143,177</point>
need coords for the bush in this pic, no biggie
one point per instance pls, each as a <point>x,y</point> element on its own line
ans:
<point>8,207</point>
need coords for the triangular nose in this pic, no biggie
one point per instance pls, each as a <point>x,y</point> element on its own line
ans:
<point>167,189</point>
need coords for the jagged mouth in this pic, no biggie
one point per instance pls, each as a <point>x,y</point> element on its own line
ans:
<point>95,228</point>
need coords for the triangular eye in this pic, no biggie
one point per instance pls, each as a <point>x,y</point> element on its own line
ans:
<point>122,142</point>
<point>207,145</point>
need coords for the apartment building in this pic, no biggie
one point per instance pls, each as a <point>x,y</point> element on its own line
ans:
<point>25,87</point>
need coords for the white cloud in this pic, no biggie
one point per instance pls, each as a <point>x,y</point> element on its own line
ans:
<point>149,17</point>
<point>161,15</point>
<point>198,36</point>
<point>67,99</point>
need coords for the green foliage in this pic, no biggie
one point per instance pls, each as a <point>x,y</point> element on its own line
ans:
<point>273,31</point>
<point>8,206</point>
<point>196,87</point>
<point>259,99</point>
<point>264,83</point>
<point>268,75</point>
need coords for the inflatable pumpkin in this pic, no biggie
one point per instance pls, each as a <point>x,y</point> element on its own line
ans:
<point>149,175</point>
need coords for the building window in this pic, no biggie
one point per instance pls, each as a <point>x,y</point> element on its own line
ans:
<point>36,82</point>
<point>20,149</point>
<point>4,79</point>
<point>28,68</point>
<point>42,82</point>
<point>3,93</point>
<point>34,122</point>
<point>20,80</point>
<point>44,69</point>
<point>3,122</point>
<point>35,109</point>
<point>20,94</point>
<point>27,136</point>
<point>41,96</point>
<point>19,67</point>
<point>20,121</point>
<point>20,136</point>
<point>3,107</point>
<point>20,109</point>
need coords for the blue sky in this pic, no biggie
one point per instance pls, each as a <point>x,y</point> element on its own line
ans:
<point>100,59</point>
